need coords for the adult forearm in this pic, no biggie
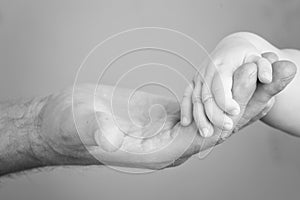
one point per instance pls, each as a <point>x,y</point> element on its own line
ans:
<point>42,131</point>
<point>19,123</point>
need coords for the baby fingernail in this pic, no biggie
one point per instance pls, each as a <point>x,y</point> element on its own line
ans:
<point>235,111</point>
<point>228,125</point>
<point>205,132</point>
<point>226,135</point>
<point>184,121</point>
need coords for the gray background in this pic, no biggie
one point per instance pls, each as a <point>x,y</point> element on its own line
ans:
<point>42,44</point>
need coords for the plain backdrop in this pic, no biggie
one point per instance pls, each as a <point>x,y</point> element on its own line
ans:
<point>42,44</point>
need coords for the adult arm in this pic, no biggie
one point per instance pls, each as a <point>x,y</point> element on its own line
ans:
<point>63,129</point>
<point>67,128</point>
<point>19,126</point>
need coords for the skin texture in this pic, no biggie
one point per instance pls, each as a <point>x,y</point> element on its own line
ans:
<point>69,129</point>
<point>19,122</point>
<point>41,132</point>
<point>156,144</point>
<point>265,92</point>
<point>239,46</point>
<point>284,114</point>
<point>215,82</point>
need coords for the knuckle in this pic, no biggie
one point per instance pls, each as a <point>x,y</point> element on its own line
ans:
<point>196,99</point>
<point>207,99</point>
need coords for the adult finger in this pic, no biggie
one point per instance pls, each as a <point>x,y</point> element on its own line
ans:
<point>263,113</point>
<point>244,85</point>
<point>283,73</point>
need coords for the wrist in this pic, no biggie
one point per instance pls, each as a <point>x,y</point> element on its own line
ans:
<point>56,140</point>
<point>36,148</point>
<point>40,146</point>
<point>18,125</point>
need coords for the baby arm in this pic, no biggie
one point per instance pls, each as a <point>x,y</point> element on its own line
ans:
<point>284,114</point>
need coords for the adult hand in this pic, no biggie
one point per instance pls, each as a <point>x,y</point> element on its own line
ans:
<point>213,84</point>
<point>264,96</point>
<point>115,140</point>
